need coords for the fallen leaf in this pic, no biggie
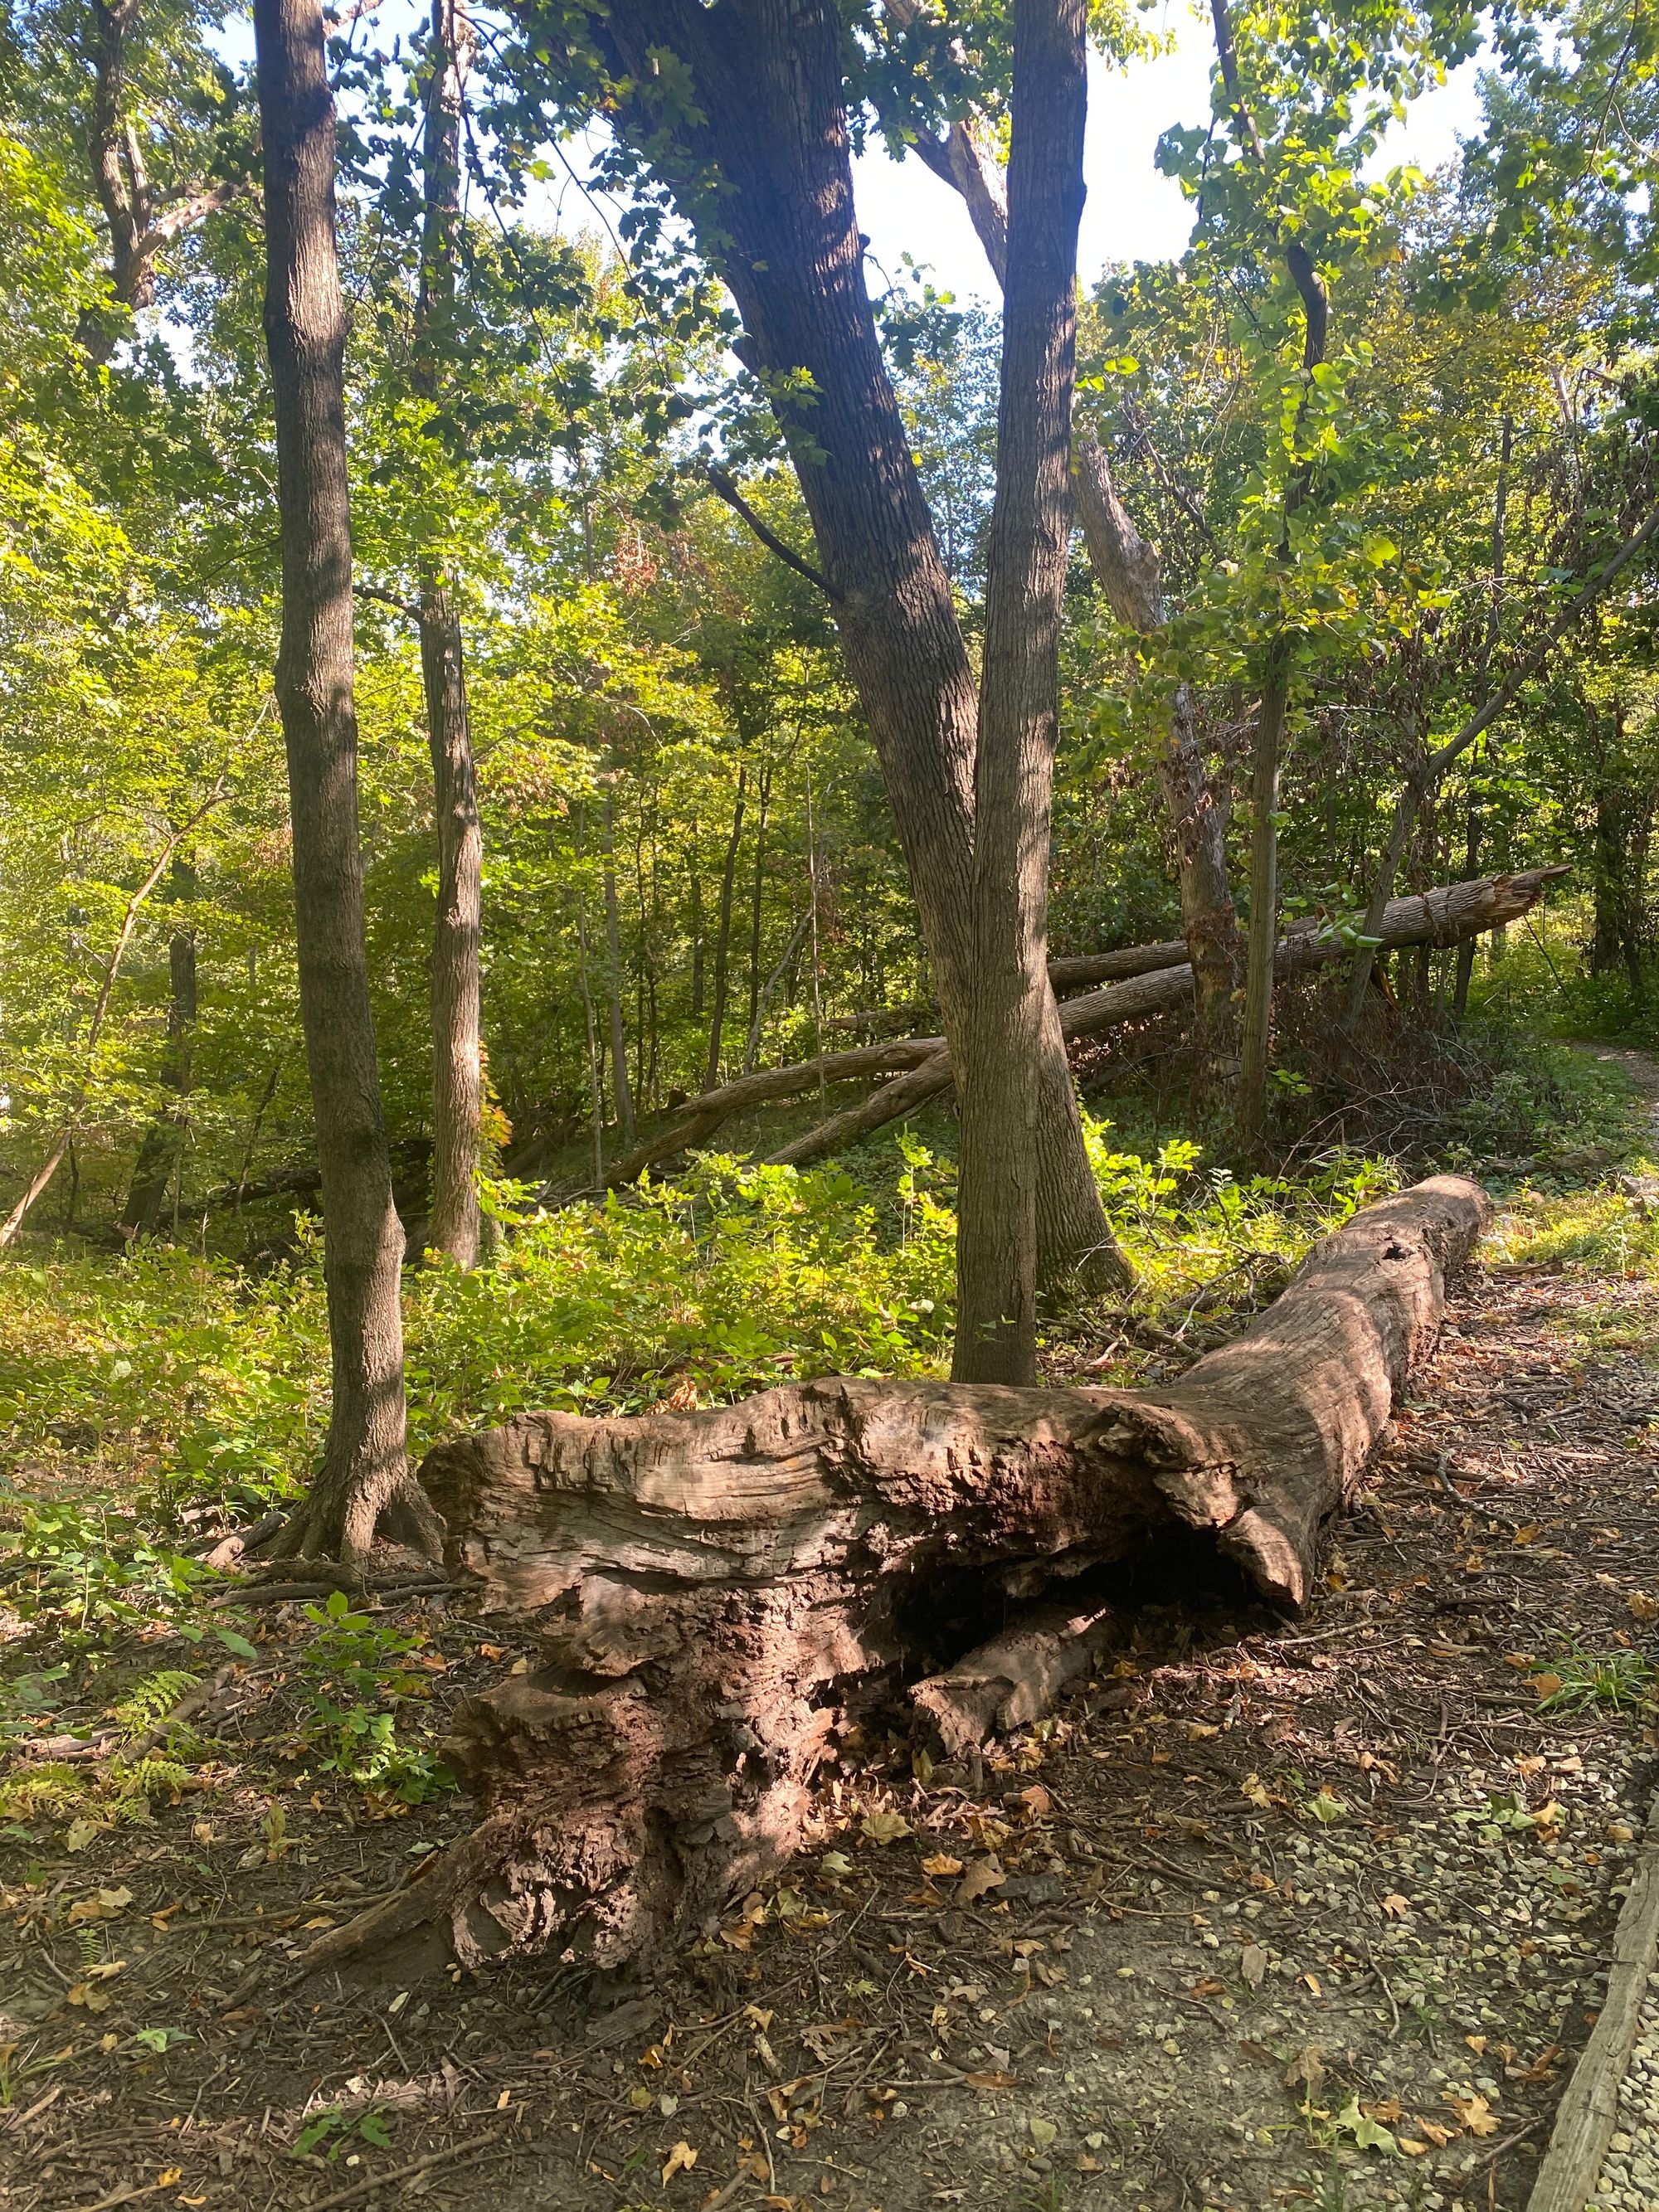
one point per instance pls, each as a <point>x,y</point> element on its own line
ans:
<point>103,1904</point>
<point>1475,2113</point>
<point>1307,2068</point>
<point>169,2176</point>
<point>1252,1787</point>
<point>1411,2149</point>
<point>1365,2131</point>
<point>1397,1906</point>
<point>985,2082</point>
<point>983,1875</point>
<point>941,1863</point>
<point>885,1827</point>
<point>1326,1806</point>
<point>79,1833</point>
<point>836,1863</point>
<point>1546,1685</point>
<point>1644,1607</point>
<point>1042,2131</point>
<point>681,2160</point>
<point>1437,2134</point>
<point>1253,1964</point>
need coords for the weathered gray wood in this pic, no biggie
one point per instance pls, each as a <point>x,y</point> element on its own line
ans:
<point>719,1595</point>
<point>1588,2110</point>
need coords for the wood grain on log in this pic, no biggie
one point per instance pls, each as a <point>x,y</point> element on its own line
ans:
<point>719,1594</point>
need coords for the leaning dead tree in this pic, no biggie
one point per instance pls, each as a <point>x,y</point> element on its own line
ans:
<point>1137,981</point>
<point>720,1596</point>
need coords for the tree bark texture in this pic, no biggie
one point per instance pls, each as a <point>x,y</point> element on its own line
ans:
<point>364,1466</point>
<point>759,162</point>
<point>1006,1016</point>
<point>719,1594</point>
<point>455,1223</point>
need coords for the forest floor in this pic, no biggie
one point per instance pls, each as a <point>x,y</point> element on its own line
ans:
<point>1272,1912</point>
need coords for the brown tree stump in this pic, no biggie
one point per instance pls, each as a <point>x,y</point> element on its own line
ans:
<point>720,1594</point>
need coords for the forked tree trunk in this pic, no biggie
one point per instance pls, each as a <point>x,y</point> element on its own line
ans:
<point>457,924</point>
<point>720,1596</point>
<point>765,115</point>
<point>1130,573</point>
<point>364,1468</point>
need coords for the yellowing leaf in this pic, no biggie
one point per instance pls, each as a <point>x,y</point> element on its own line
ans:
<point>169,2176</point>
<point>885,1827</point>
<point>1437,2134</point>
<point>1412,2148</point>
<point>1252,1788</point>
<point>1367,2133</point>
<point>941,1863</point>
<point>1326,1807</point>
<point>680,2159</point>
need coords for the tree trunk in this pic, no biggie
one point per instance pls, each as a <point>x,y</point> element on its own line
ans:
<point>364,1468</point>
<point>1007,1016</point>
<point>719,1597</point>
<point>723,934</point>
<point>613,978</point>
<point>756,893</point>
<point>1255,1043</point>
<point>163,1141</point>
<point>765,114</point>
<point>1129,571</point>
<point>457,929</point>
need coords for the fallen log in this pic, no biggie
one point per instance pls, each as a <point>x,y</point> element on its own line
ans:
<point>698,1118</point>
<point>720,1596</point>
<point>1442,917</point>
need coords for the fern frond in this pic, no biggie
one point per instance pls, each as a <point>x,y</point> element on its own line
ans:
<point>152,1776</point>
<point>44,1789</point>
<point>153,1699</point>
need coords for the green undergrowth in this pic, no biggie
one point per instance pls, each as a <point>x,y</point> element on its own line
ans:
<point>160,1378</point>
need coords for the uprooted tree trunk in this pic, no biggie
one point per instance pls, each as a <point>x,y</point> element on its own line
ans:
<point>720,1594</point>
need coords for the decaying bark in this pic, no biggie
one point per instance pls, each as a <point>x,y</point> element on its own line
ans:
<point>719,1594</point>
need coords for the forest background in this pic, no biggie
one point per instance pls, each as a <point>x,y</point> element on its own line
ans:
<point>689,867</point>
